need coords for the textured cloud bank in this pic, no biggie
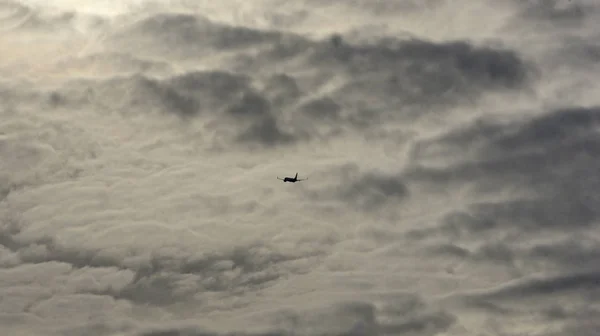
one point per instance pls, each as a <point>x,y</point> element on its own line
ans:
<point>452,177</point>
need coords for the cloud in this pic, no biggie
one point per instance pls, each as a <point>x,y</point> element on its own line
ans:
<point>162,278</point>
<point>251,104</point>
<point>372,190</point>
<point>570,253</point>
<point>416,73</point>
<point>398,313</point>
<point>361,189</point>
<point>578,282</point>
<point>398,72</point>
<point>179,35</point>
<point>108,64</point>
<point>191,331</point>
<point>476,64</point>
<point>24,18</point>
<point>543,162</point>
<point>227,102</point>
<point>404,313</point>
<point>537,296</point>
<point>266,132</point>
<point>556,11</point>
<point>530,194</point>
<point>139,154</point>
<point>323,108</point>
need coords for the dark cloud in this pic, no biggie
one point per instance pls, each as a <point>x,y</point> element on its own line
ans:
<point>451,62</point>
<point>347,319</point>
<point>570,253</point>
<point>584,327</point>
<point>160,278</point>
<point>554,285</point>
<point>396,314</point>
<point>6,187</point>
<point>546,167</point>
<point>324,108</point>
<point>385,74</point>
<point>580,53</point>
<point>186,95</point>
<point>537,297</point>
<point>552,159</point>
<point>250,105</point>
<point>215,88</point>
<point>556,11</point>
<point>386,7</point>
<point>45,249</point>
<point>513,256</point>
<point>234,107</point>
<point>414,72</point>
<point>425,325</point>
<point>181,35</point>
<point>523,215</point>
<point>168,280</point>
<point>253,112</point>
<point>493,140</point>
<point>190,331</point>
<point>140,94</point>
<point>99,329</point>
<point>282,90</point>
<point>389,77</point>
<point>408,314</point>
<point>560,127</point>
<point>364,190</point>
<point>266,132</point>
<point>373,190</point>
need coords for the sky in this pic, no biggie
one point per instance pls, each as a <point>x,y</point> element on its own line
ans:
<point>452,151</point>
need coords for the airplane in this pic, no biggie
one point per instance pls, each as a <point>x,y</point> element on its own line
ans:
<point>291,179</point>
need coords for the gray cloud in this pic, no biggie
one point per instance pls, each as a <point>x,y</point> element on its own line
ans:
<point>578,282</point>
<point>551,156</point>
<point>361,189</point>
<point>372,190</point>
<point>175,30</point>
<point>545,166</point>
<point>139,154</point>
<point>240,111</point>
<point>200,332</point>
<point>402,314</point>
<point>401,72</point>
<point>450,61</point>
<point>266,132</point>
<point>113,63</point>
<point>556,11</point>
<point>158,279</point>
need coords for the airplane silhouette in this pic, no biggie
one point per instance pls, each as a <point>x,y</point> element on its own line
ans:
<point>291,179</point>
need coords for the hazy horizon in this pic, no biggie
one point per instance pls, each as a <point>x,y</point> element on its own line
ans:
<point>450,150</point>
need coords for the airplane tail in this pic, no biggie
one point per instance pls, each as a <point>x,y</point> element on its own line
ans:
<point>296,177</point>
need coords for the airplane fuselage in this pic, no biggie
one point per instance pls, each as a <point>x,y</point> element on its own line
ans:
<point>291,179</point>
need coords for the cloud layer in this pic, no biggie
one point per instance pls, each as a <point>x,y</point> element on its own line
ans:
<point>452,172</point>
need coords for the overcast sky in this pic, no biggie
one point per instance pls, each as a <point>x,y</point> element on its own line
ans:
<point>451,149</point>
